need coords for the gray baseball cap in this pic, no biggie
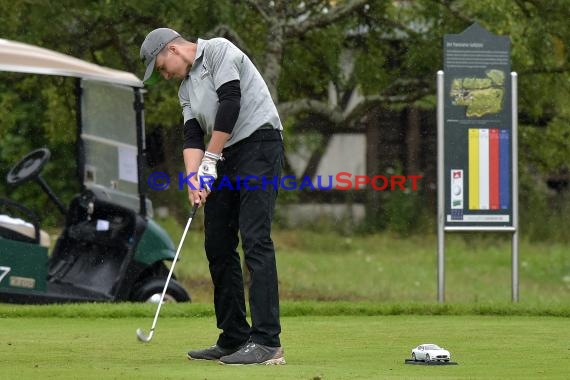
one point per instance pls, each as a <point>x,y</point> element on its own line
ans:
<point>153,44</point>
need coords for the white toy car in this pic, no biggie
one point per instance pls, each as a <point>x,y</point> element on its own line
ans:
<point>430,352</point>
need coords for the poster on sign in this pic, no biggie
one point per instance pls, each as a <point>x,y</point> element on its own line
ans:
<point>477,129</point>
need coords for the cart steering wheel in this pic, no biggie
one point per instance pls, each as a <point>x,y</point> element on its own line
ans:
<point>28,167</point>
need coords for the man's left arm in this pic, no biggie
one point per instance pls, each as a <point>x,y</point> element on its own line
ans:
<point>229,97</point>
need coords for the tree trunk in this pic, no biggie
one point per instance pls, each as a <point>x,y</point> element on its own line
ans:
<point>273,58</point>
<point>373,208</point>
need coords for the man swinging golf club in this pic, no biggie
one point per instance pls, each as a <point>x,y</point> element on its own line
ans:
<point>223,96</point>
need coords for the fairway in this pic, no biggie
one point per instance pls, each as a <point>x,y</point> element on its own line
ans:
<point>316,347</point>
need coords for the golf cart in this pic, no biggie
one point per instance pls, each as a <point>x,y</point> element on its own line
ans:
<point>110,249</point>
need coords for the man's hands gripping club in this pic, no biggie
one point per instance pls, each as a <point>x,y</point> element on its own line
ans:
<point>207,172</point>
<point>200,184</point>
<point>204,165</point>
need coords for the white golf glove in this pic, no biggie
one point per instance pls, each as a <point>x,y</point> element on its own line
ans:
<point>207,172</point>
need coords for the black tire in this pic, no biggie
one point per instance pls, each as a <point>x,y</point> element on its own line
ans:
<point>151,290</point>
<point>414,357</point>
<point>427,358</point>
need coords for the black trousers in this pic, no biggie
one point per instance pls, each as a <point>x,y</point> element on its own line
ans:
<point>243,199</point>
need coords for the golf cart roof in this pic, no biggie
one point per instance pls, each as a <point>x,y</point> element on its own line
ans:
<point>24,58</point>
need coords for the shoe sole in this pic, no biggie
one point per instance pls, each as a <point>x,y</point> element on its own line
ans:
<point>208,360</point>
<point>276,361</point>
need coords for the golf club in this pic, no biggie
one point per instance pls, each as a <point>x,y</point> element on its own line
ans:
<point>140,333</point>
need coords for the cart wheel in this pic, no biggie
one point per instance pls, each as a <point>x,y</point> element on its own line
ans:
<point>151,290</point>
<point>414,357</point>
<point>427,358</point>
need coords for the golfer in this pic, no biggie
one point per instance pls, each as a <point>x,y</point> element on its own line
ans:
<point>223,96</point>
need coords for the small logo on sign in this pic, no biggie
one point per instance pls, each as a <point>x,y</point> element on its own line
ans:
<point>456,187</point>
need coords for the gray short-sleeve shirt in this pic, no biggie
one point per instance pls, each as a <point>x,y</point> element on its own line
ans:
<point>218,61</point>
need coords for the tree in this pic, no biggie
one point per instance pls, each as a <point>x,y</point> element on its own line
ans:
<point>330,65</point>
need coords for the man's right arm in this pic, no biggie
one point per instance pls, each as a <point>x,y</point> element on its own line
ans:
<point>193,153</point>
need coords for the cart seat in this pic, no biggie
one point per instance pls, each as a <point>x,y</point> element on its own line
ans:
<point>95,247</point>
<point>18,229</point>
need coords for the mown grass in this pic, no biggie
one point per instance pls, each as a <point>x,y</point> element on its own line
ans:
<point>316,347</point>
<point>380,293</point>
<point>288,309</point>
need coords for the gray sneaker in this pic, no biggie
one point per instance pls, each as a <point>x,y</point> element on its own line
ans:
<point>254,353</point>
<point>211,353</point>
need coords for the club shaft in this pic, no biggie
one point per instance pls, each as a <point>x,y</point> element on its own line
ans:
<point>192,213</point>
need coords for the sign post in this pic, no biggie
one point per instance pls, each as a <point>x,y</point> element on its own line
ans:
<point>477,141</point>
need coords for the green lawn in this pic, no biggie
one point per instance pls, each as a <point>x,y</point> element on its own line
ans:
<point>384,293</point>
<point>316,347</point>
<point>388,268</point>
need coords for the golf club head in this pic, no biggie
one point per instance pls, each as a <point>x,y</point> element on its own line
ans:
<point>143,337</point>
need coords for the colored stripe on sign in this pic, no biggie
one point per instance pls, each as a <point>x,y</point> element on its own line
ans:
<point>488,168</point>
<point>504,165</point>
<point>483,169</point>
<point>494,169</point>
<point>473,168</point>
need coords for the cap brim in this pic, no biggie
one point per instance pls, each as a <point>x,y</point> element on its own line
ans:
<point>151,76</point>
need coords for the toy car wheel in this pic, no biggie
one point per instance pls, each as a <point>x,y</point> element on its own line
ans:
<point>428,358</point>
<point>151,290</point>
<point>414,357</point>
